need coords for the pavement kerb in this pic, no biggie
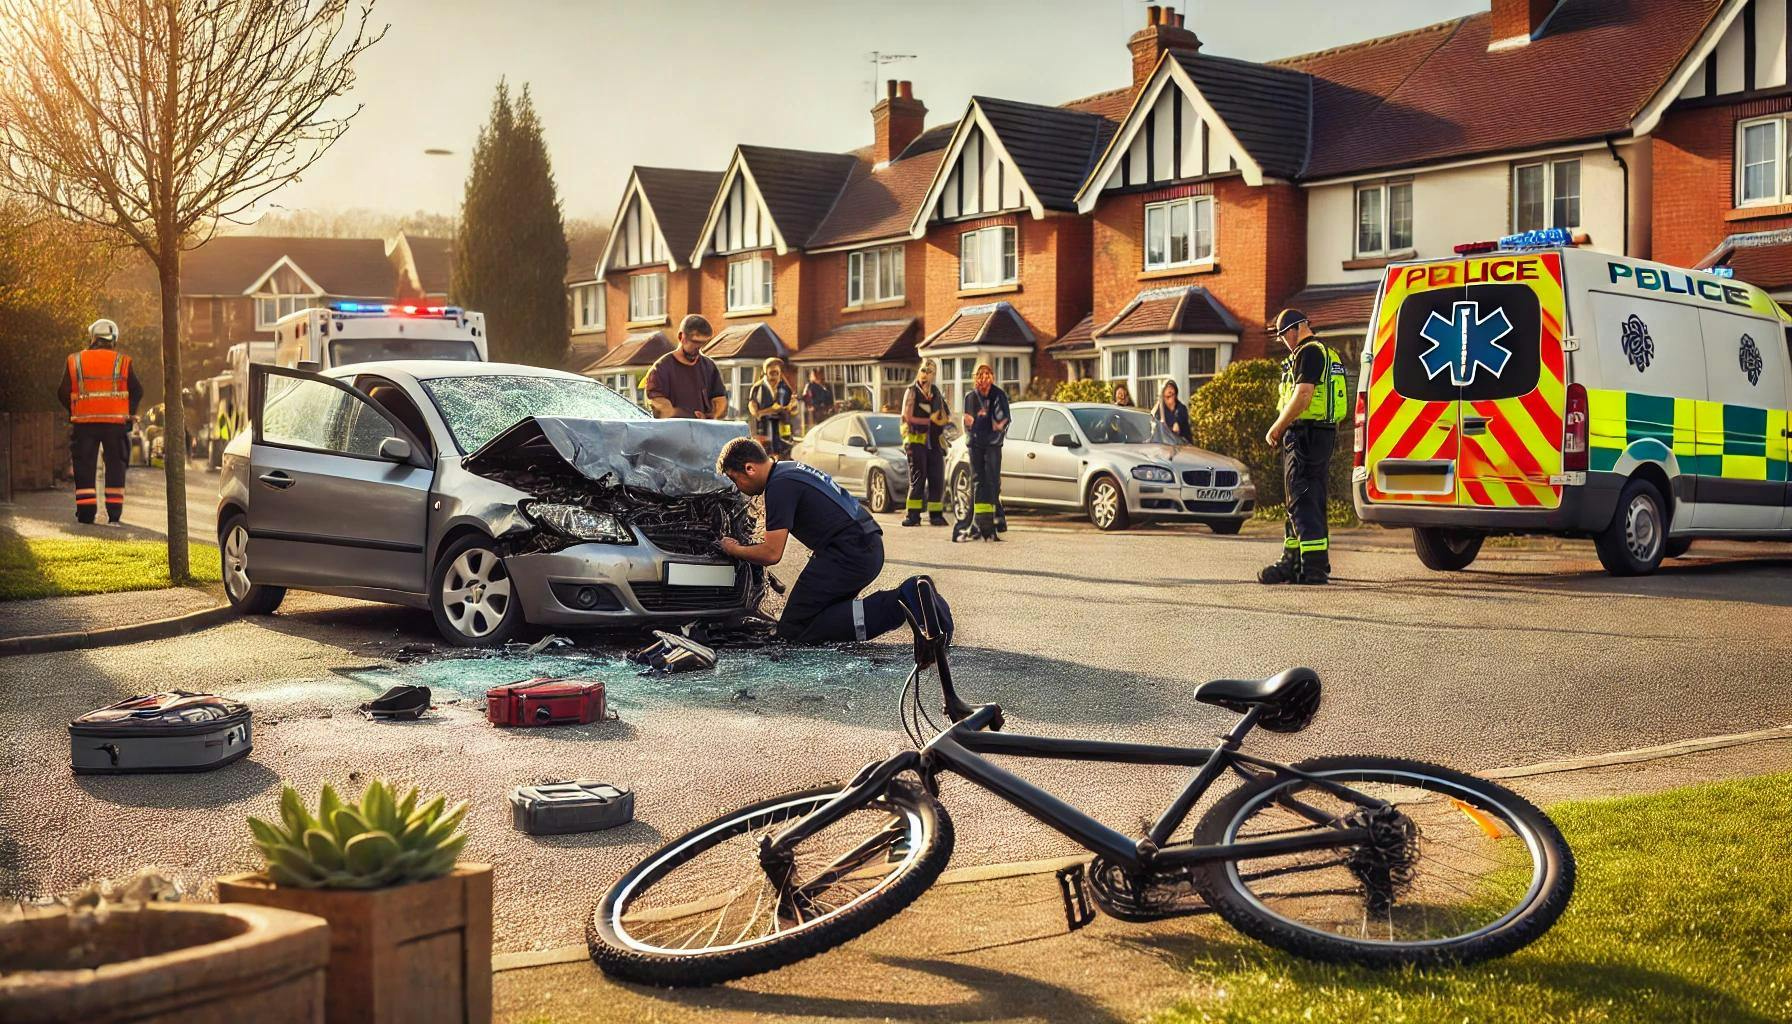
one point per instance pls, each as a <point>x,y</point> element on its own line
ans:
<point>990,872</point>
<point>136,632</point>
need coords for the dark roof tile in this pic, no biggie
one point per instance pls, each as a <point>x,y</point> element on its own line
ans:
<point>1184,309</point>
<point>635,350</point>
<point>880,203</point>
<point>346,267</point>
<point>799,186</point>
<point>993,324</point>
<point>746,341</point>
<point>1053,148</point>
<point>680,201</point>
<point>1078,339</point>
<point>582,254</point>
<point>434,259</point>
<point>1265,107</point>
<point>1336,306</point>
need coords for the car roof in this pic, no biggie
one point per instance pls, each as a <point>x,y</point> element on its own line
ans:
<point>435,369</point>
<point>1075,405</point>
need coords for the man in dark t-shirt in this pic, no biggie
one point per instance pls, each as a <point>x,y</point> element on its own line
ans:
<point>684,383</point>
<point>846,551</point>
<point>818,399</point>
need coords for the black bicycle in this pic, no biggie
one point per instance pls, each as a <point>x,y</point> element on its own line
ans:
<point>1372,860</point>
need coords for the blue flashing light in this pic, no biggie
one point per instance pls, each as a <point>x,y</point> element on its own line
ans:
<point>1722,272</point>
<point>1545,238</point>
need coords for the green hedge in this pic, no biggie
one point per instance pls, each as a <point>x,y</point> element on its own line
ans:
<point>1085,390</point>
<point>1230,414</point>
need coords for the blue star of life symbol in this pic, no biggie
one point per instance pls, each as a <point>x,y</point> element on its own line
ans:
<point>1465,343</point>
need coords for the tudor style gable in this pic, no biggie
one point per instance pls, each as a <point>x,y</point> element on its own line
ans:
<point>1008,157</point>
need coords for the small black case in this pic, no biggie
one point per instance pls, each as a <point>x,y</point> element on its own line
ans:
<point>560,808</point>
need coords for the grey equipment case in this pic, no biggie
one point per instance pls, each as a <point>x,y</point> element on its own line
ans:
<point>174,731</point>
<point>558,808</point>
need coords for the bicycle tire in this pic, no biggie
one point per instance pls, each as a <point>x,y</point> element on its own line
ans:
<point>1219,884</point>
<point>613,954</point>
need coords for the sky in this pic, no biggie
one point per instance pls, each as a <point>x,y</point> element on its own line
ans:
<point>677,83</point>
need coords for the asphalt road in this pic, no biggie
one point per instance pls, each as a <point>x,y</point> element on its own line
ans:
<point>1533,654</point>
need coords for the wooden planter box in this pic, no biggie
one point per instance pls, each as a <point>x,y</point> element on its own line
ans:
<point>413,953</point>
<point>164,964</point>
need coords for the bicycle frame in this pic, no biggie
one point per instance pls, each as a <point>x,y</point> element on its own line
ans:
<point>959,749</point>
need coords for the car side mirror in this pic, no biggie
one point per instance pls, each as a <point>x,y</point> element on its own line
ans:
<point>1063,441</point>
<point>308,365</point>
<point>858,441</point>
<point>395,449</point>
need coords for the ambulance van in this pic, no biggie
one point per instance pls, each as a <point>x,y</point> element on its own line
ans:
<point>359,332</point>
<point>1560,390</point>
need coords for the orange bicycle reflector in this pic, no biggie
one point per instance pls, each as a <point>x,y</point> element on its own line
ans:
<point>1481,818</point>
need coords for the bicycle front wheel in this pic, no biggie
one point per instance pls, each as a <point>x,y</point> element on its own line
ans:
<point>702,909</point>
<point>1458,869</point>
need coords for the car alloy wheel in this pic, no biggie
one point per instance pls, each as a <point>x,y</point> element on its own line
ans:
<point>236,563</point>
<point>879,491</point>
<point>961,496</point>
<point>1104,504</point>
<point>476,593</point>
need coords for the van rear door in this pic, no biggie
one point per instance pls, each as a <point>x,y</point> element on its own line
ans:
<point>1467,384</point>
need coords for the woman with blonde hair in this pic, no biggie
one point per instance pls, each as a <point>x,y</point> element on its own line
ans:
<point>924,417</point>
<point>769,405</point>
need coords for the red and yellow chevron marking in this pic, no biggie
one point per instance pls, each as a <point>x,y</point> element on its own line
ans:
<point>1509,465</point>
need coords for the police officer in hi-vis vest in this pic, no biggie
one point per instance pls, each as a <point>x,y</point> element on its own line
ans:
<point>100,391</point>
<point>770,405</point>
<point>1313,399</point>
<point>924,418</point>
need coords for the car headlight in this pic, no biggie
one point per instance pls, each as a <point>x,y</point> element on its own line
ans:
<point>579,523</point>
<point>1153,474</point>
<point>1244,478</point>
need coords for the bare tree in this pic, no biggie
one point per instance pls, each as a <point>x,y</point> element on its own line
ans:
<point>155,118</point>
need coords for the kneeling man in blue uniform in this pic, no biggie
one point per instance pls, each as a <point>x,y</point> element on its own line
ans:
<point>846,551</point>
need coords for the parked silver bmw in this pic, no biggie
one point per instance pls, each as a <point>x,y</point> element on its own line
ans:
<point>1114,463</point>
<point>862,451</point>
<point>490,494</point>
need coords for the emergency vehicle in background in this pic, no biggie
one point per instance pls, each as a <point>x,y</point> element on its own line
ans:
<point>1529,386</point>
<point>359,332</point>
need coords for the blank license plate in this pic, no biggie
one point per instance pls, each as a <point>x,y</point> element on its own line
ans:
<point>683,574</point>
<point>1212,494</point>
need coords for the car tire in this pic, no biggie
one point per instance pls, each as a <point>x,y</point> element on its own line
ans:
<point>1445,550</point>
<point>1226,527</point>
<point>233,566</point>
<point>1106,504</point>
<point>878,496</point>
<point>472,596</point>
<point>1677,547</point>
<point>1636,540</point>
<point>961,495</point>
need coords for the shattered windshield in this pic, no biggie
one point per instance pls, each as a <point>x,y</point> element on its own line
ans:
<point>477,409</point>
<point>1122,426</point>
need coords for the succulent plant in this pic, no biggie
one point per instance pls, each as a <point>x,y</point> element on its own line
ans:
<point>378,842</point>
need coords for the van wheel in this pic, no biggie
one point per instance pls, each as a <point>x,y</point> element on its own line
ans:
<point>1445,550</point>
<point>1636,541</point>
<point>472,596</point>
<point>1677,547</point>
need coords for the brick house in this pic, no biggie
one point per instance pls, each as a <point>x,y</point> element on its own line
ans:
<point>586,304</point>
<point>646,269</point>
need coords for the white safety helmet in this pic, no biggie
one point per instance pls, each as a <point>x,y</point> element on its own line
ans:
<point>102,328</point>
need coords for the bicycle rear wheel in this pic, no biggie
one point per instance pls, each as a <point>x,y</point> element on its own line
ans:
<point>701,910</point>
<point>1460,869</point>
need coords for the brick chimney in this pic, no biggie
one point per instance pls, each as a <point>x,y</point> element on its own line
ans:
<point>896,120</point>
<point>1163,31</point>
<point>1515,22</point>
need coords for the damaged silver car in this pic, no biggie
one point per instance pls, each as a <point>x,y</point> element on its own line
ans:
<point>493,495</point>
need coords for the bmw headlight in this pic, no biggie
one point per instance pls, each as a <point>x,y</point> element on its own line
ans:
<point>1153,474</point>
<point>579,523</point>
<point>1244,478</point>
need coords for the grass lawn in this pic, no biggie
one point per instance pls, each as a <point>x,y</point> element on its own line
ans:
<point>58,568</point>
<point>1682,913</point>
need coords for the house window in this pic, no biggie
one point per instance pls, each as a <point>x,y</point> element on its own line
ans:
<point>270,308</point>
<point>1119,365</point>
<point>1546,195</point>
<point>1179,232</point>
<point>588,308</point>
<point>1008,374</point>
<point>986,258</point>
<point>1154,369</point>
<point>1761,164</point>
<point>647,297</point>
<point>874,275</point>
<point>1384,219</point>
<point>1203,363</point>
<point>955,379</point>
<point>750,283</point>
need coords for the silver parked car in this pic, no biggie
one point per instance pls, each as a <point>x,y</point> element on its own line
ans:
<point>862,451</point>
<point>490,494</point>
<point>1116,464</point>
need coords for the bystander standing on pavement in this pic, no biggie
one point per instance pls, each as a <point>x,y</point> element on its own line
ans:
<point>684,383</point>
<point>986,420</point>
<point>1313,401</point>
<point>101,392</point>
<point>770,406</point>
<point>818,399</point>
<point>1171,414</point>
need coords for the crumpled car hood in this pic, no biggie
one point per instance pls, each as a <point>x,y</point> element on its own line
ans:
<point>668,457</point>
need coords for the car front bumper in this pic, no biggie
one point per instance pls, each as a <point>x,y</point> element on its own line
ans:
<point>618,584</point>
<point>1175,501</point>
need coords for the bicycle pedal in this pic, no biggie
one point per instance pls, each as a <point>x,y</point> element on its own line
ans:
<point>1072,886</point>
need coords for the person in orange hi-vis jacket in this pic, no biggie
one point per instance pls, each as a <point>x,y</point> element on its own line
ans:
<point>100,390</point>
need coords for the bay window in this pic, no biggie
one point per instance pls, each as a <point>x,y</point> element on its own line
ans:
<point>1203,363</point>
<point>1179,232</point>
<point>647,297</point>
<point>874,275</point>
<point>986,258</point>
<point>750,283</point>
<point>1546,195</point>
<point>1761,162</point>
<point>1383,218</point>
<point>1154,369</point>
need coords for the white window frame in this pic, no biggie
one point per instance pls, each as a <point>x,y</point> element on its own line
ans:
<point>587,308</point>
<point>1195,380</point>
<point>279,306</point>
<point>974,248</point>
<point>887,266</point>
<point>647,304</point>
<point>1549,169</point>
<point>1192,208</point>
<point>1781,192</point>
<point>1384,193</point>
<point>750,284</point>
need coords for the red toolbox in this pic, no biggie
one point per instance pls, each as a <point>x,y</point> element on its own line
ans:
<point>546,700</point>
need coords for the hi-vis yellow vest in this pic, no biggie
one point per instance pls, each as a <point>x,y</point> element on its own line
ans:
<point>1331,399</point>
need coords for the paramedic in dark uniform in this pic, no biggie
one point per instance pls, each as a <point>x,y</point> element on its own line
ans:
<point>986,424</point>
<point>769,405</point>
<point>1313,401</point>
<point>924,418</point>
<point>846,549</point>
<point>101,392</point>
